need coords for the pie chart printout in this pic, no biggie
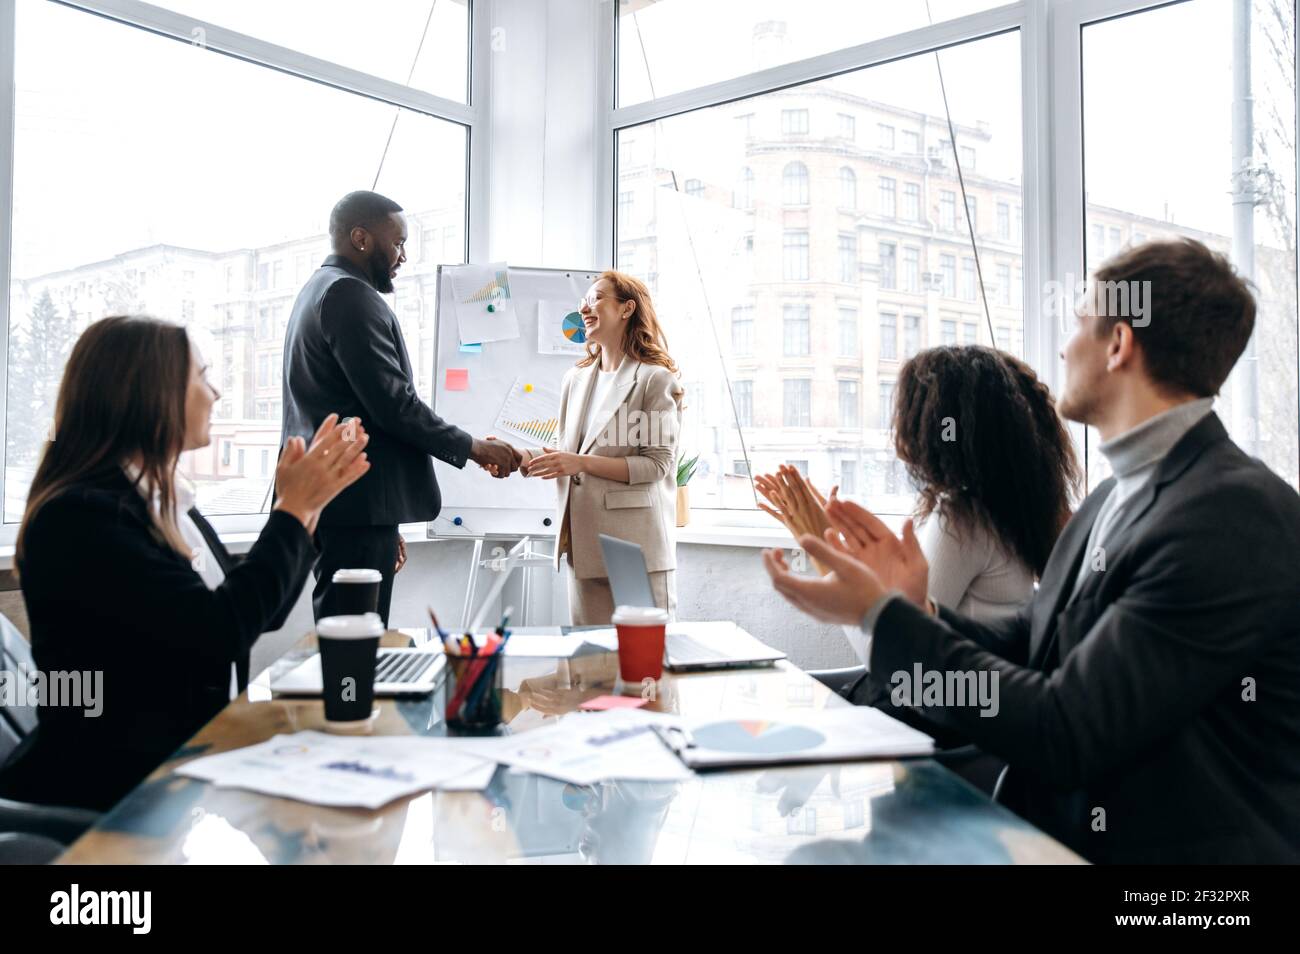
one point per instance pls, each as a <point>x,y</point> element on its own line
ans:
<point>573,328</point>
<point>757,737</point>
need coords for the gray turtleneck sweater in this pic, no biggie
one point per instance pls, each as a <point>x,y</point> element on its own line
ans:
<point>1134,457</point>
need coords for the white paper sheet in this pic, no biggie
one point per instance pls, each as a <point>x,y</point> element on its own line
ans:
<point>476,289</point>
<point>560,329</point>
<point>589,747</point>
<point>351,771</point>
<point>531,411</point>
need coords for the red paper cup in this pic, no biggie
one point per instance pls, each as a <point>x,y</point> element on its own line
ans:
<point>640,642</point>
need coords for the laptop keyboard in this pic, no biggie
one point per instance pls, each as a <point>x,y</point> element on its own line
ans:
<point>402,668</point>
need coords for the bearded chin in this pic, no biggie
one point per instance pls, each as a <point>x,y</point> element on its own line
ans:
<point>379,276</point>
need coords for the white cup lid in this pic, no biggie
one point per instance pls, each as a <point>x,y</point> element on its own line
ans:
<point>364,626</point>
<point>640,616</point>
<point>356,576</point>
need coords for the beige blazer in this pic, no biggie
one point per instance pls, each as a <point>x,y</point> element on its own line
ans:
<point>640,420</point>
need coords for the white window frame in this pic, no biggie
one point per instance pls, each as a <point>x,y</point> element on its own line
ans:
<point>1051,122</point>
<point>473,115</point>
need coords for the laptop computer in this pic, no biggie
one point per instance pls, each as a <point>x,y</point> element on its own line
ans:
<point>399,671</point>
<point>687,646</point>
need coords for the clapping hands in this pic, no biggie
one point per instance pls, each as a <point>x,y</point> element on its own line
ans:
<point>862,560</point>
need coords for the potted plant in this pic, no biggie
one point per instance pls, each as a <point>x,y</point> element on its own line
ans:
<point>685,471</point>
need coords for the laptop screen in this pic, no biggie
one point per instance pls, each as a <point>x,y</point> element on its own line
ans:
<point>628,579</point>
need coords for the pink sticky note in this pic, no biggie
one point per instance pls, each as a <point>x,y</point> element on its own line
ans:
<point>457,379</point>
<point>613,702</point>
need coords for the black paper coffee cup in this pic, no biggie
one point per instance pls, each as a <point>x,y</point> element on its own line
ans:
<point>348,648</point>
<point>354,592</point>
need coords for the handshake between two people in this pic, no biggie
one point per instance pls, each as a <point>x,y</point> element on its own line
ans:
<point>548,464</point>
<point>858,557</point>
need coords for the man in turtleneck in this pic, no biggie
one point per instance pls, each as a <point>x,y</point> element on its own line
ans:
<point>1148,696</point>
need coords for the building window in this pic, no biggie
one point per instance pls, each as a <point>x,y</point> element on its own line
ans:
<point>795,264</point>
<point>265,461</point>
<point>968,279</point>
<point>848,477</point>
<point>948,211</point>
<point>886,136</point>
<point>694,188</point>
<point>225,453</point>
<point>972,210</point>
<point>794,122</point>
<point>848,403</point>
<point>848,258</point>
<point>885,409</point>
<point>745,189</point>
<point>794,184</point>
<point>948,332</point>
<point>888,336</point>
<point>888,198</point>
<point>911,202</point>
<point>624,208</point>
<point>1004,221</point>
<point>796,406</point>
<point>948,274</point>
<point>969,333</point>
<point>1004,338</point>
<point>911,335</point>
<point>848,332</point>
<point>797,329</point>
<point>888,265</point>
<point>911,142</point>
<point>848,127</point>
<point>848,188</point>
<point>743,393</point>
<point>911,269</point>
<point>742,330</point>
<point>239,456</point>
<point>1004,284</point>
<point>967,155</point>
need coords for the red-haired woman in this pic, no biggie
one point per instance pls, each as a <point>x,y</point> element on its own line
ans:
<point>615,464</point>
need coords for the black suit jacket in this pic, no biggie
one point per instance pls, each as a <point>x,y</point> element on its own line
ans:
<point>344,353</point>
<point>104,593</point>
<point>1155,715</point>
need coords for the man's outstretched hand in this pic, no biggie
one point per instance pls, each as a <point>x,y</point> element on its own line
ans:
<point>496,457</point>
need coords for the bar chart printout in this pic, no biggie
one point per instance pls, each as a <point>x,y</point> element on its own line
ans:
<point>531,411</point>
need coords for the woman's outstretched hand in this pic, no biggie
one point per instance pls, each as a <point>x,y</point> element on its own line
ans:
<point>796,503</point>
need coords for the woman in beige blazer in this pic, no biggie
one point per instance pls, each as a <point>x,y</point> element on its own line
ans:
<point>615,465</point>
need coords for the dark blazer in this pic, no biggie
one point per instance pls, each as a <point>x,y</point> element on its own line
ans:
<point>1166,694</point>
<point>343,352</point>
<point>103,592</point>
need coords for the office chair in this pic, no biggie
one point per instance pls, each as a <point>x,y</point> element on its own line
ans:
<point>29,834</point>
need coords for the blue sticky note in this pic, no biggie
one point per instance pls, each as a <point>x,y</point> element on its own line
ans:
<point>472,348</point>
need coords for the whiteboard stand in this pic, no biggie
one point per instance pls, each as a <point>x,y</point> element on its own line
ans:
<point>530,560</point>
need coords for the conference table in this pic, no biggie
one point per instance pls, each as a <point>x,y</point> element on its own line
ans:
<point>872,812</point>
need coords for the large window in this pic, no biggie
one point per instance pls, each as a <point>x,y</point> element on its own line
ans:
<point>829,286</point>
<point>158,176</point>
<point>672,45</point>
<point>1206,116</point>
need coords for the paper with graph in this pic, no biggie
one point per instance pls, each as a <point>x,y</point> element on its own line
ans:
<point>560,329</point>
<point>531,411</point>
<point>485,309</point>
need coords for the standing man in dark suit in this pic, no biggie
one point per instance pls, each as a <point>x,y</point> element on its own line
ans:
<point>343,352</point>
<point>1147,698</point>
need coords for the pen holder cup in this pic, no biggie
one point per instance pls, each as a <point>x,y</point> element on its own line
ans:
<point>473,694</point>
